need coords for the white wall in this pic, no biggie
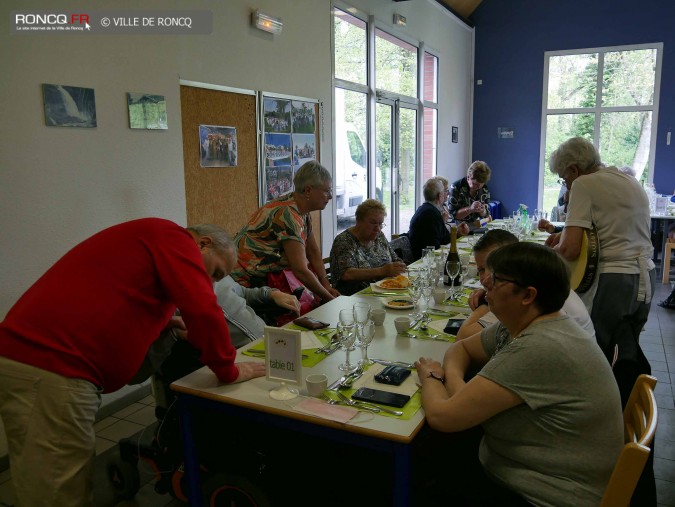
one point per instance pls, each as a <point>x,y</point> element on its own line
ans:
<point>60,185</point>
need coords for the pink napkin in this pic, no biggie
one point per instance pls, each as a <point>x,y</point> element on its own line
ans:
<point>324,410</point>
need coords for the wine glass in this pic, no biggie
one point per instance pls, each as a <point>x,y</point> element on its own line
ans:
<point>365,334</point>
<point>452,268</point>
<point>347,319</point>
<point>415,291</point>
<point>427,288</point>
<point>361,313</point>
<point>347,336</point>
<point>413,275</point>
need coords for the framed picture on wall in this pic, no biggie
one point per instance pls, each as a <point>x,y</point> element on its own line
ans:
<point>218,146</point>
<point>147,111</point>
<point>69,106</point>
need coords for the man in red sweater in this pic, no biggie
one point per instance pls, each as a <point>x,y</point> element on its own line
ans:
<point>84,328</point>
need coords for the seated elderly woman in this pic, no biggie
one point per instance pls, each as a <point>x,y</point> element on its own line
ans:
<point>428,225</point>
<point>279,237</point>
<point>362,254</point>
<point>469,196</point>
<point>545,395</point>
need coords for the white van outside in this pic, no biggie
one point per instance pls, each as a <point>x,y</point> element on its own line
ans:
<point>351,174</point>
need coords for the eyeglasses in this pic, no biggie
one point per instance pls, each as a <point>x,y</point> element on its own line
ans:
<point>379,225</point>
<point>494,278</point>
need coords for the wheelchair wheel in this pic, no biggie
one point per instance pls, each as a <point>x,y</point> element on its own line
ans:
<point>124,477</point>
<point>228,490</point>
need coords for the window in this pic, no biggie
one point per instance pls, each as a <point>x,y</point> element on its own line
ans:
<point>386,133</point>
<point>607,95</point>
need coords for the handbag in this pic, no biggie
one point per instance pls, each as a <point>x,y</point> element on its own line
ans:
<point>287,282</point>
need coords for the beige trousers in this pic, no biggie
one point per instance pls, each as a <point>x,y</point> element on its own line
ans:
<point>49,423</point>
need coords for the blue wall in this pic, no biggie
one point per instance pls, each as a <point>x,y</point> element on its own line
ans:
<point>511,38</point>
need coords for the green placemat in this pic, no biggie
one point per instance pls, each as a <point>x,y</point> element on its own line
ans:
<point>444,337</point>
<point>310,357</point>
<point>409,409</point>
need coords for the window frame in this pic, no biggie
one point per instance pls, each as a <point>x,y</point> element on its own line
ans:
<point>599,109</point>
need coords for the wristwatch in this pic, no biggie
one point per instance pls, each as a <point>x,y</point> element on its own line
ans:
<point>434,375</point>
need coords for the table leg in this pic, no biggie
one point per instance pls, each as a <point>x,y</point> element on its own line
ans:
<point>192,474</point>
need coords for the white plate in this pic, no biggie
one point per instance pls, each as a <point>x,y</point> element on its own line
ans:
<point>379,286</point>
<point>388,304</point>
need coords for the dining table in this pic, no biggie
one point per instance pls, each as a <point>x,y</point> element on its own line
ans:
<point>393,435</point>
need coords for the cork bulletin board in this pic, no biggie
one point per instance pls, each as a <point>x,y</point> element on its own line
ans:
<point>225,196</point>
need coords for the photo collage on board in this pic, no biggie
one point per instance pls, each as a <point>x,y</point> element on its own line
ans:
<point>290,141</point>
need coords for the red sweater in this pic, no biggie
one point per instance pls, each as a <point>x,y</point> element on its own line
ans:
<point>95,312</point>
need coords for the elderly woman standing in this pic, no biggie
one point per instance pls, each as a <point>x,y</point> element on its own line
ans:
<point>469,196</point>
<point>545,395</point>
<point>362,254</point>
<point>279,236</point>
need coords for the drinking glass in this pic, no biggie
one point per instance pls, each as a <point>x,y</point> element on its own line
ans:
<point>413,275</point>
<point>415,291</point>
<point>427,288</point>
<point>347,318</point>
<point>361,313</point>
<point>365,334</point>
<point>347,336</point>
<point>452,268</point>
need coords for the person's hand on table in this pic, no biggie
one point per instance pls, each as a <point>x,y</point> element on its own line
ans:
<point>477,298</point>
<point>425,365</point>
<point>463,229</point>
<point>333,292</point>
<point>288,301</point>
<point>393,269</point>
<point>553,239</point>
<point>249,370</point>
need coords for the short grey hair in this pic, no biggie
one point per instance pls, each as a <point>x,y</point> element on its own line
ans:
<point>432,189</point>
<point>443,180</point>
<point>575,151</point>
<point>221,240</point>
<point>369,206</point>
<point>311,174</point>
<point>628,170</point>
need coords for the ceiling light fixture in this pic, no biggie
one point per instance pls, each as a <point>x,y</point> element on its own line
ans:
<point>266,23</point>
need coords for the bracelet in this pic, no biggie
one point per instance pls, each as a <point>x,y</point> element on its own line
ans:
<point>323,276</point>
<point>435,376</point>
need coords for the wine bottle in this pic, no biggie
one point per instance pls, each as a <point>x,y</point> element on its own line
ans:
<point>453,255</point>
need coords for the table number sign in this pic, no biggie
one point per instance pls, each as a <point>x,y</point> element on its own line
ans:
<point>283,349</point>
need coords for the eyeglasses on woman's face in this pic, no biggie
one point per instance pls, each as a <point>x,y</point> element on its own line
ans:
<point>493,278</point>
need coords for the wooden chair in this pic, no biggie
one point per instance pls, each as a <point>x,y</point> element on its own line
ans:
<point>667,254</point>
<point>639,420</point>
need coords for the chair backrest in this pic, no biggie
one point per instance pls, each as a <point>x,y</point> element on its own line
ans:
<point>639,421</point>
<point>401,245</point>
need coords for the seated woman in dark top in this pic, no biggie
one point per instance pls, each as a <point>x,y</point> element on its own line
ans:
<point>469,197</point>
<point>361,254</point>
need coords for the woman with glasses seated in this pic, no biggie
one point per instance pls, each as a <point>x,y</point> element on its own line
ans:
<point>469,197</point>
<point>362,254</point>
<point>545,396</point>
<point>278,239</point>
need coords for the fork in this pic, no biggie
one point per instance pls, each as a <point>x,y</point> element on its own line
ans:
<point>367,406</point>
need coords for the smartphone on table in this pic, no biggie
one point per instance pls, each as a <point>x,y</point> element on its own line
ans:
<point>382,397</point>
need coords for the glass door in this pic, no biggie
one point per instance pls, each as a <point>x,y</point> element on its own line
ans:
<point>395,138</point>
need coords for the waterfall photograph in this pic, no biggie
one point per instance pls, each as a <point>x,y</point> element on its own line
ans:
<point>69,106</point>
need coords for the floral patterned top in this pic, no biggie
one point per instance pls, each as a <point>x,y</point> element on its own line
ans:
<point>460,197</point>
<point>348,252</point>
<point>259,242</point>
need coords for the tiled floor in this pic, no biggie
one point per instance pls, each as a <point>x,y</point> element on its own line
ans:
<point>657,339</point>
